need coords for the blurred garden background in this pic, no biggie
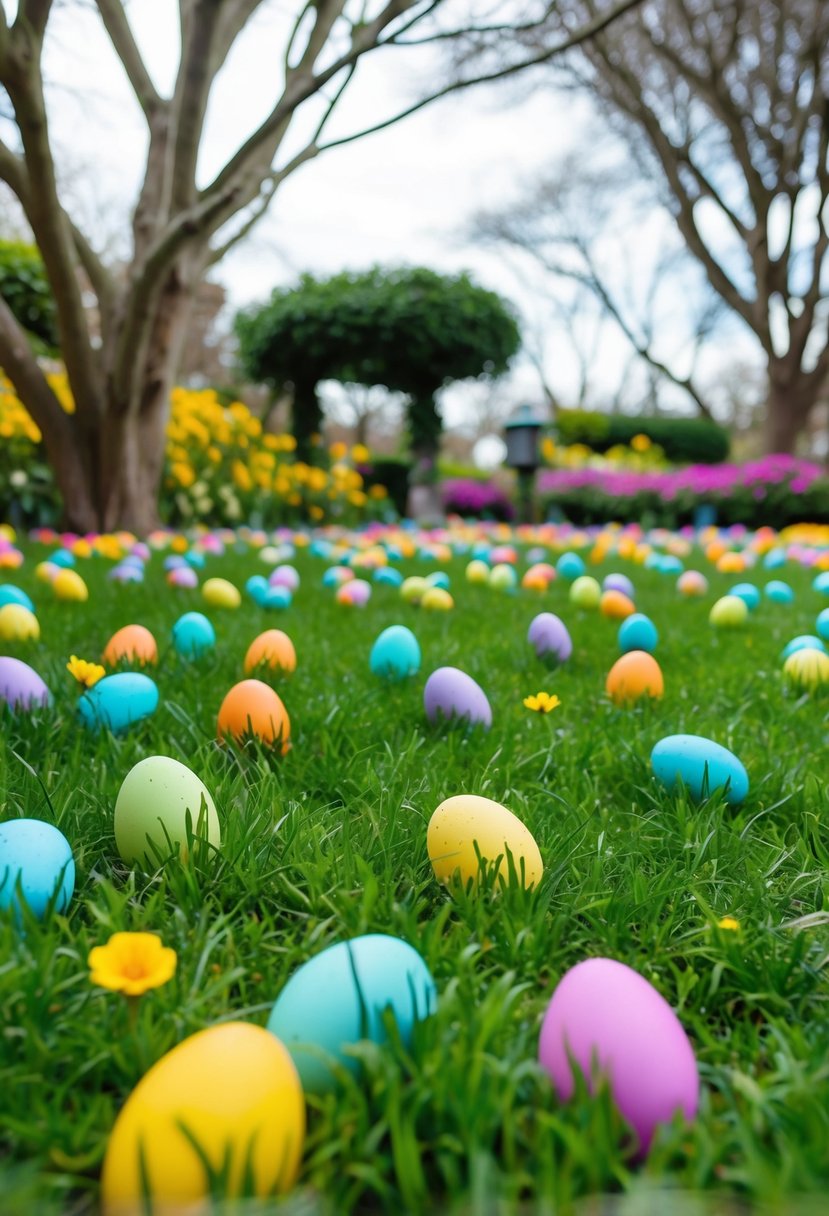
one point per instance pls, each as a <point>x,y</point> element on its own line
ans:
<point>613,211</point>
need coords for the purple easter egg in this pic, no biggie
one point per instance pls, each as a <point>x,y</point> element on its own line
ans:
<point>285,576</point>
<point>619,582</point>
<point>548,636</point>
<point>612,1024</point>
<point>183,576</point>
<point>20,685</point>
<point>451,693</point>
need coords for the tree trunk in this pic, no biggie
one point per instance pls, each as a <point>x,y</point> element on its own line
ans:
<point>306,418</point>
<point>791,398</point>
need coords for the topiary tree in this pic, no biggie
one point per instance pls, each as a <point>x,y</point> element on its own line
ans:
<point>407,328</point>
<point>25,289</point>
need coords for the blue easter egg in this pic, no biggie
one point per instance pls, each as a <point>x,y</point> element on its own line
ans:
<point>774,559</point>
<point>638,632</point>
<point>748,593</point>
<point>439,579</point>
<point>821,583</point>
<point>134,562</point>
<point>822,624</point>
<point>369,975</point>
<point>195,559</point>
<point>174,562</point>
<point>395,654</point>
<point>63,558</point>
<point>702,765</point>
<point>9,594</point>
<point>193,635</point>
<point>779,592</point>
<point>619,582</point>
<point>277,597</point>
<point>257,588</point>
<point>118,701</point>
<point>806,641</point>
<point>570,566</point>
<point>35,863</point>
<point>669,563</point>
<point>387,576</point>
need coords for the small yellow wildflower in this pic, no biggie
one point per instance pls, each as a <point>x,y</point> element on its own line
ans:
<point>360,453</point>
<point>542,703</point>
<point>85,673</point>
<point>640,443</point>
<point>132,963</point>
<point>338,450</point>
<point>728,922</point>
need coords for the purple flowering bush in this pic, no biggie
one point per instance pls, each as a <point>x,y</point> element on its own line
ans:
<point>481,499</point>
<point>776,490</point>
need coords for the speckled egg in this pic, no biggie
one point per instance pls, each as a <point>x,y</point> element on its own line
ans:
<point>467,830</point>
<point>161,802</point>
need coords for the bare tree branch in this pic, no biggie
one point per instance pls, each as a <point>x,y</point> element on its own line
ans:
<point>117,25</point>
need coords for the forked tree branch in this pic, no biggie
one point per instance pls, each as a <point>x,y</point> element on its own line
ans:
<point>117,26</point>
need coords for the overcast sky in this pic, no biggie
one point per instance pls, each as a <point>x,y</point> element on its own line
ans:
<point>405,194</point>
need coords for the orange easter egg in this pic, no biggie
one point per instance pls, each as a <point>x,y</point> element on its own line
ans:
<point>253,708</point>
<point>636,674</point>
<point>274,648</point>
<point>731,563</point>
<point>133,644</point>
<point>616,605</point>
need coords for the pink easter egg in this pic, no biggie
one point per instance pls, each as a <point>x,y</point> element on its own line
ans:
<point>611,1023</point>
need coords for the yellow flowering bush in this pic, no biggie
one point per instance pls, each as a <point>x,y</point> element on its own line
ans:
<point>640,455</point>
<point>221,467</point>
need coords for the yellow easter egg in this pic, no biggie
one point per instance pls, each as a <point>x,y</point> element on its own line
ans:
<point>46,571</point>
<point>437,599</point>
<point>18,624</point>
<point>227,1102</point>
<point>219,593</point>
<point>806,668</point>
<point>68,585</point>
<point>467,829</point>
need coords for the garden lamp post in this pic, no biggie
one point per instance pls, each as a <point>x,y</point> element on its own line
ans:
<point>521,435</point>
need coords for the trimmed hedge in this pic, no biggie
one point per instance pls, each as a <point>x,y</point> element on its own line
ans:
<point>683,440</point>
<point>391,472</point>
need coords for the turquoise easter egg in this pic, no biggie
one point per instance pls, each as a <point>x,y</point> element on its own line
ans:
<point>438,579</point>
<point>748,593</point>
<point>822,624</point>
<point>36,865</point>
<point>638,632</point>
<point>257,588</point>
<point>9,594</point>
<point>820,584</point>
<point>570,566</point>
<point>193,635</point>
<point>395,654</point>
<point>387,576</point>
<point>779,592</point>
<point>119,701</point>
<point>806,641</point>
<point>278,597</point>
<point>702,765</point>
<point>339,997</point>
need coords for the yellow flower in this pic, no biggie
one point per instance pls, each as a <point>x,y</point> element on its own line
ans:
<point>542,703</point>
<point>337,451</point>
<point>85,673</point>
<point>728,922</point>
<point>640,443</point>
<point>132,963</point>
<point>360,453</point>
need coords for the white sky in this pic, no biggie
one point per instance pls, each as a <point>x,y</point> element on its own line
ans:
<point>402,195</point>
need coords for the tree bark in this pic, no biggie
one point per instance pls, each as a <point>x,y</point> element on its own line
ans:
<point>791,398</point>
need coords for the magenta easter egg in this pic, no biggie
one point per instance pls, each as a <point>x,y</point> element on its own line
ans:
<point>612,1024</point>
<point>20,685</point>
<point>451,694</point>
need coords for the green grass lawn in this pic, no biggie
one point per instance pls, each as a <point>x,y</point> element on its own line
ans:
<point>330,842</point>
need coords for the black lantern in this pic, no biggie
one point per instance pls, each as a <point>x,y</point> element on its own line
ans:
<point>521,434</point>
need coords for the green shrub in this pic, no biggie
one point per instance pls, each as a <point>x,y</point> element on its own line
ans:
<point>391,472</point>
<point>25,288</point>
<point>683,440</point>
